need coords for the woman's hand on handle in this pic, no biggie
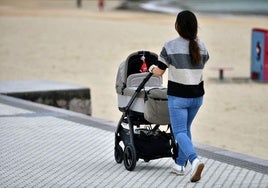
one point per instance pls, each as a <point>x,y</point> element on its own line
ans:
<point>156,71</point>
<point>151,68</point>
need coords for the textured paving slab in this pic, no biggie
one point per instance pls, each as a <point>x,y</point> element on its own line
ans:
<point>42,148</point>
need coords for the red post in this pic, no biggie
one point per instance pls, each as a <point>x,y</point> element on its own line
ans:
<point>101,5</point>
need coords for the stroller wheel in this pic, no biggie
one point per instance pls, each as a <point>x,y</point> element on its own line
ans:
<point>130,157</point>
<point>118,154</point>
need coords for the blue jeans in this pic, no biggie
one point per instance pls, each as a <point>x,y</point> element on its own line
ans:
<point>182,111</point>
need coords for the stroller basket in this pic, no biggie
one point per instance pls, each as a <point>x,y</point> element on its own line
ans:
<point>149,144</point>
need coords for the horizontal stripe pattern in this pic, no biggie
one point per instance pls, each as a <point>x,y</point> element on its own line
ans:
<point>185,91</point>
<point>184,78</point>
<point>181,61</point>
<point>181,46</point>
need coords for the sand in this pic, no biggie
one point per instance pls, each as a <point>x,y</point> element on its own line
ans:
<point>52,40</point>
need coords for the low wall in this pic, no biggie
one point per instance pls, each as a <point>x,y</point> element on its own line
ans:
<point>57,94</point>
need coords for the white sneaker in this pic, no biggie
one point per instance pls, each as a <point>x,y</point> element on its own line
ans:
<point>197,168</point>
<point>177,169</point>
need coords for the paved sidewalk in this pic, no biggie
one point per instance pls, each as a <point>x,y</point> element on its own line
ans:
<point>42,146</point>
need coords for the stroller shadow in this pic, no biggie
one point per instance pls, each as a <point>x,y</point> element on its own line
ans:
<point>153,165</point>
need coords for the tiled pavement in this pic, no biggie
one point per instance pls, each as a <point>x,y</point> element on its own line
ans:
<point>42,146</point>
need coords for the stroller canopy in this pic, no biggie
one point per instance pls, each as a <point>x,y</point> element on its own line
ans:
<point>136,62</point>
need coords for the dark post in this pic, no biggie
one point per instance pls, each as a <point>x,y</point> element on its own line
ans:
<point>79,3</point>
<point>221,74</point>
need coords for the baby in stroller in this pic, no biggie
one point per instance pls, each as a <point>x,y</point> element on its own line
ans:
<point>142,99</point>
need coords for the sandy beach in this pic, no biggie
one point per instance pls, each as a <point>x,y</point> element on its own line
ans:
<point>51,40</point>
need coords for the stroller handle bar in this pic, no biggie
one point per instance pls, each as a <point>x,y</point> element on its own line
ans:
<point>145,80</point>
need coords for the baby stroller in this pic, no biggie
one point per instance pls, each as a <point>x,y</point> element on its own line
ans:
<point>143,102</point>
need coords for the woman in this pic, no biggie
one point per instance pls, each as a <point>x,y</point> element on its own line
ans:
<point>185,58</point>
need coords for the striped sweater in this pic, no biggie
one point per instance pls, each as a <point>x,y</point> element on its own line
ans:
<point>184,79</point>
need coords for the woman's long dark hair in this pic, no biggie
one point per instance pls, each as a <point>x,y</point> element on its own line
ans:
<point>186,25</point>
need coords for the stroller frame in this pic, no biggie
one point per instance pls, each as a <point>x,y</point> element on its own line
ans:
<point>133,119</point>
